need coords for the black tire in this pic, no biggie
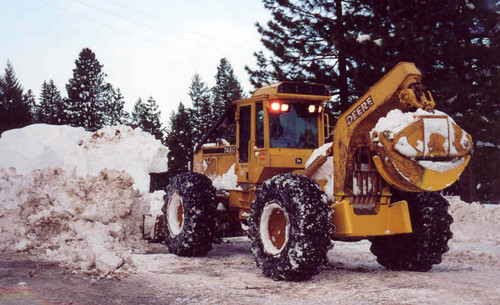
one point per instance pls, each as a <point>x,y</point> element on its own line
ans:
<point>300,202</point>
<point>189,215</point>
<point>424,247</point>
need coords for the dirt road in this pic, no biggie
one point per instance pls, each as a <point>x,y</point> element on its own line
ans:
<point>469,275</point>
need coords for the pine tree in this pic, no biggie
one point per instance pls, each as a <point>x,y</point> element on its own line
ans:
<point>147,117</point>
<point>138,112</point>
<point>153,124</point>
<point>226,90</point>
<point>202,112</point>
<point>116,115</point>
<point>88,93</point>
<point>29,99</point>
<point>180,141</point>
<point>51,108</point>
<point>307,41</point>
<point>15,111</point>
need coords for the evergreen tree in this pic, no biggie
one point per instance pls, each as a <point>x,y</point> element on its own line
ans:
<point>147,117</point>
<point>30,100</point>
<point>202,113</point>
<point>180,141</point>
<point>116,115</point>
<point>89,100</point>
<point>226,90</point>
<point>307,41</point>
<point>138,112</point>
<point>15,111</point>
<point>51,109</point>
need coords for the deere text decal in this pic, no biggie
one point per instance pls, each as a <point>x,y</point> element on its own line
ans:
<point>358,111</point>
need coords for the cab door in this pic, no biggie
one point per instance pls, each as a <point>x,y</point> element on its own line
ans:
<point>244,141</point>
<point>250,141</point>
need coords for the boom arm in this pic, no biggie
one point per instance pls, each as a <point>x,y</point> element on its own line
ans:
<point>400,89</point>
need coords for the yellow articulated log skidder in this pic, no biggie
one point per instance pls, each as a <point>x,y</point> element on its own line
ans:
<point>294,195</point>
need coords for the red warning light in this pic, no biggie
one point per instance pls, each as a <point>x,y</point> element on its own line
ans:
<point>275,106</point>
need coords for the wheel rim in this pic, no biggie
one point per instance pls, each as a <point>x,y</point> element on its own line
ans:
<point>274,228</point>
<point>175,215</point>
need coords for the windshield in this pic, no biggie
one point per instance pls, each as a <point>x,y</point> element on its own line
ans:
<point>296,128</point>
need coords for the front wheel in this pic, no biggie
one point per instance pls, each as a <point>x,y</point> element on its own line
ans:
<point>419,250</point>
<point>189,215</point>
<point>290,228</point>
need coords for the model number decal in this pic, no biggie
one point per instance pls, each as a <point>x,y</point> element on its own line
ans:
<point>358,111</point>
<point>230,150</point>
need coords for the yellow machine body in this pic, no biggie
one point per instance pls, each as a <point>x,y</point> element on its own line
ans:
<point>365,165</point>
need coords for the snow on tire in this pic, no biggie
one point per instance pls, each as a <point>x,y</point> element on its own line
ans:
<point>290,227</point>
<point>419,250</point>
<point>189,215</point>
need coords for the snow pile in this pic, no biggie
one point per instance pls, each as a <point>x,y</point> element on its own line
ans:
<point>396,120</point>
<point>40,146</point>
<point>227,181</point>
<point>91,223</point>
<point>77,197</point>
<point>85,153</point>
<point>325,172</point>
<point>474,222</point>
<point>321,151</point>
<point>155,200</point>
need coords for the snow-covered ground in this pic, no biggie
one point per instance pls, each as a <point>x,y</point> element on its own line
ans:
<point>76,198</point>
<point>469,273</point>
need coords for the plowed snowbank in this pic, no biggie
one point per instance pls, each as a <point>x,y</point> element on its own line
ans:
<point>475,222</point>
<point>85,153</point>
<point>88,223</point>
<point>76,197</point>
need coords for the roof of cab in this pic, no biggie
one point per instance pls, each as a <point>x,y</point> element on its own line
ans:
<point>295,88</point>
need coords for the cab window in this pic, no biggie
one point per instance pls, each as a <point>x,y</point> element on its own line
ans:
<point>295,128</point>
<point>244,132</point>
<point>259,125</point>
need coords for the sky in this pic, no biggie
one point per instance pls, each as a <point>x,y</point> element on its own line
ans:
<point>148,48</point>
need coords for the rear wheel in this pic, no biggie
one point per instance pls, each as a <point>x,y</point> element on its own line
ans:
<point>424,247</point>
<point>290,228</point>
<point>189,215</point>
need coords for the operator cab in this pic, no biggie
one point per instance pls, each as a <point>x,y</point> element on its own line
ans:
<point>278,128</point>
